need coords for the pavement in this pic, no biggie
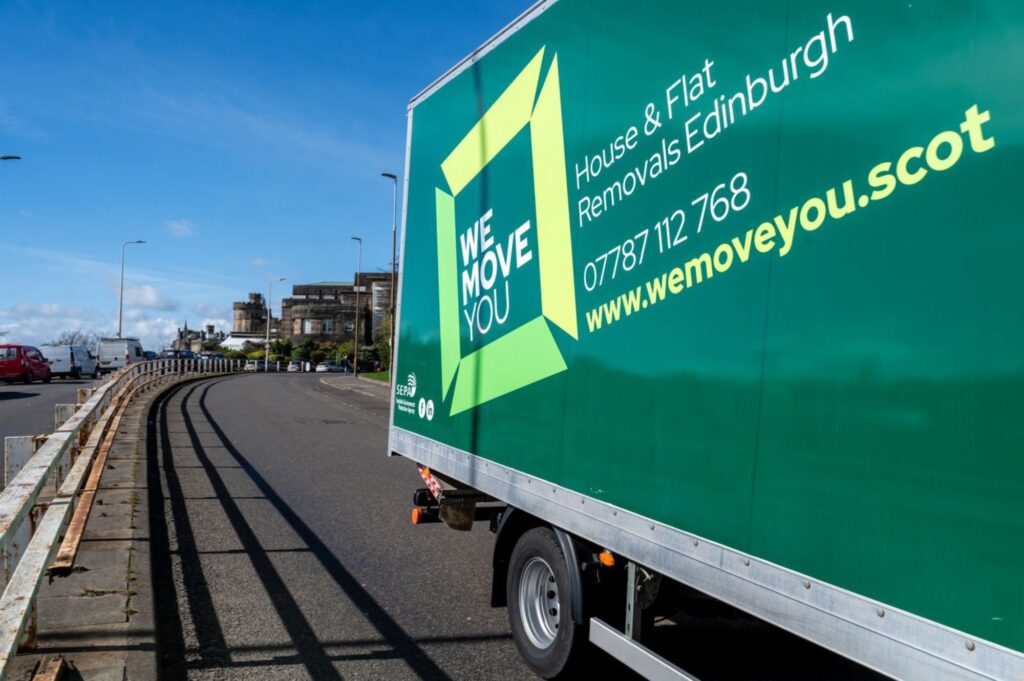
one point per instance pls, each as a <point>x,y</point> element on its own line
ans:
<point>100,617</point>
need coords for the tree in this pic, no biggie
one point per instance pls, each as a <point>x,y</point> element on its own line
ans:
<point>382,342</point>
<point>75,337</point>
<point>343,351</point>
<point>282,347</point>
<point>250,348</point>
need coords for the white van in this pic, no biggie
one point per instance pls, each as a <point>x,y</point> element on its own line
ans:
<point>72,361</point>
<point>117,353</point>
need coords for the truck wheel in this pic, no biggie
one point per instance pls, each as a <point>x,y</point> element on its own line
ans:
<point>27,378</point>
<point>76,374</point>
<point>540,606</point>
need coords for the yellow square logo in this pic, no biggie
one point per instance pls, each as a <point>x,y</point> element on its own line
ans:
<point>498,368</point>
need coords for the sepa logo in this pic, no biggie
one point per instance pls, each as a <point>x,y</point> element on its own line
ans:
<point>408,389</point>
<point>528,353</point>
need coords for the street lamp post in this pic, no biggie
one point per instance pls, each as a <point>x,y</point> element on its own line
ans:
<point>355,331</point>
<point>270,315</point>
<point>120,296</point>
<point>394,232</point>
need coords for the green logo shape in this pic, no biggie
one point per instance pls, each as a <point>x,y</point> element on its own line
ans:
<point>499,368</point>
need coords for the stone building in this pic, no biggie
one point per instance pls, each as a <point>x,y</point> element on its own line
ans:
<point>250,317</point>
<point>327,310</point>
<point>190,339</point>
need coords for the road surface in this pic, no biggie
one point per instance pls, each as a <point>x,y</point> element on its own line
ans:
<point>28,409</point>
<point>282,549</point>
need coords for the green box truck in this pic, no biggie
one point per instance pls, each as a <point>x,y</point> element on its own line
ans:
<point>728,295</point>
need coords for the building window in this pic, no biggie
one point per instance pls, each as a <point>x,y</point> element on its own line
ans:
<point>327,326</point>
<point>296,326</point>
<point>307,326</point>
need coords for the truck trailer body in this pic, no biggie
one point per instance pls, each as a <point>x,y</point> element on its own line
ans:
<point>732,291</point>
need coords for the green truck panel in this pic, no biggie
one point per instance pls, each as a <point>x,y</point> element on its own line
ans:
<point>748,269</point>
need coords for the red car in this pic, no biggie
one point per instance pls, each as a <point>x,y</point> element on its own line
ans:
<point>23,363</point>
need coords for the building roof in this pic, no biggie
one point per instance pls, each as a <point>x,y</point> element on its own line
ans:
<point>328,283</point>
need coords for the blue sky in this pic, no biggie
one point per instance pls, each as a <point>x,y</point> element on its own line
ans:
<point>241,140</point>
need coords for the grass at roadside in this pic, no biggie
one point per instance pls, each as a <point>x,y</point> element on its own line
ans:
<point>382,376</point>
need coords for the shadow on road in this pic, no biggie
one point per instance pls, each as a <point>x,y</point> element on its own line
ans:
<point>5,395</point>
<point>214,651</point>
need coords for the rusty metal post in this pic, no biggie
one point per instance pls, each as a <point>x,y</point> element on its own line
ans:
<point>30,641</point>
<point>51,669</point>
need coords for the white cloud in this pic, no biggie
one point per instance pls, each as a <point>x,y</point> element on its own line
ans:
<point>92,306</point>
<point>133,313</point>
<point>154,333</point>
<point>222,113</point>
<point>181,227</point>
<point>37,324</point>
<point>210,309</point>
<point>44,310</point>
<point>218,324</point>
<point>147,298</point>
<point>188,283</point>
<point>258,262</point>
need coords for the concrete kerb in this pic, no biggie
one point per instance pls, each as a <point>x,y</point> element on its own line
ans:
<point>366,386</point>
<point>374,381</point>
<point>101,617</point>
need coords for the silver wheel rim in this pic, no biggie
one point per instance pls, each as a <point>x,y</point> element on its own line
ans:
<point>538,603</point>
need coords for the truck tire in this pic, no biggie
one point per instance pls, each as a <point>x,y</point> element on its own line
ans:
<point>540,606</point>
<point>76,373</point>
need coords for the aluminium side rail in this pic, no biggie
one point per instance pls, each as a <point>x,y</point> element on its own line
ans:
<point>19,497</point>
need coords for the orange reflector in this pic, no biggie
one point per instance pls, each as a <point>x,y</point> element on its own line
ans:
<point>417,516</point>
<point>606,558</point>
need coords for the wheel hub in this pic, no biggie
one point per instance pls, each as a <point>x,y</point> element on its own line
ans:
<point>538,602</point>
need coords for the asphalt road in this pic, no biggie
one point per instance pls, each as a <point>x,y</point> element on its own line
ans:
<point>28,409</point>
<point>282,549</point>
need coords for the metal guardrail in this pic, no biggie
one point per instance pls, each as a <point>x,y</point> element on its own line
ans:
<point>73,446</point>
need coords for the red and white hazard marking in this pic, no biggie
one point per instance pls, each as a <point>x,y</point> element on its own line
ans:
<point>432,484</point>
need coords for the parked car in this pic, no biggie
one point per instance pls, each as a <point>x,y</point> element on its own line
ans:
<point>254,365</point>
<point>329,367</point>
<point>178,354</point>
<point>117,353</point>
<point>211,355</point>
<point>70,361</point>
<point>23,363</point>
<point>149,355</point>
<point>295,365</point>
